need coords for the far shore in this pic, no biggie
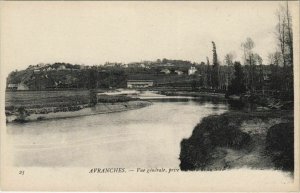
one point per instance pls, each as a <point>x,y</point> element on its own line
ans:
<point>99,108</point>
<point>194,94</point>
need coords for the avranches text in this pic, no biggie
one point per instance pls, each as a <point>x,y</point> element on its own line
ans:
<point>138,170</point>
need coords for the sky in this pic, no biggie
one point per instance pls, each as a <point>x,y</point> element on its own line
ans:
<point>96,32</point>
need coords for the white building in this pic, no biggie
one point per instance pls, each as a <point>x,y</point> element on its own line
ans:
<point>178,72</point>
<point>166,71</point>
<point>192,70</point>
<point>61,67</point>
<point>12,86</point>
<point>19,86</point>
<point>49,68</point>
<point>139,83</point>
<point>22,86</point>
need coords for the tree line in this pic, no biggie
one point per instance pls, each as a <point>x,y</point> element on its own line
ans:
<point>252,75</point>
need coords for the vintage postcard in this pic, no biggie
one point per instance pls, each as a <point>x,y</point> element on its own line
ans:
<point>149,96</point>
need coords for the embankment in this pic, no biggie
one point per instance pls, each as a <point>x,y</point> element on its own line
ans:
<point>83,110</point>
<point>209,95</point>
<point>239,139</point>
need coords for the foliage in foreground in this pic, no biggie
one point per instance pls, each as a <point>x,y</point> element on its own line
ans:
<point>213,131</point>
<point>280,145</point>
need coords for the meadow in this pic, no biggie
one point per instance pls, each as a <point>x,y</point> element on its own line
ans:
<point>39,99</point>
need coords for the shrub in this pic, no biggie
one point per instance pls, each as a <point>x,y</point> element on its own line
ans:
<point>22,114</point>
<point>213,131</point>
<point>280,145</point>
<point>113,99</point>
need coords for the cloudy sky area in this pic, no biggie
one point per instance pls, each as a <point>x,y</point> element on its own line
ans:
<point>95,32</point>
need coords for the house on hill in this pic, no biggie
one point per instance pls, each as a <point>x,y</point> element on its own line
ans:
<point>20,86</point>
<point>192,70</point>
<point>165,71</point>
<point>61,67</point>
<point>166,64</point>
<point>178,72</point>
<point>49,68</point>
<point>12,86</point>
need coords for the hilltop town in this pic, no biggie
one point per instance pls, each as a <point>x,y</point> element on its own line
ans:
<point>159,73</point>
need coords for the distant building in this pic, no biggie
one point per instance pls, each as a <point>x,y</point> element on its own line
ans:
<point>22,86</point>
<point>19,86</point>
<point>166,65</point>
<point>12,86</point>
<point>166,71</point>
<point>139,83</point>
<point>61,67</point>
<point>192,70</point>
<point>136,65</point>
<point>107,64</point>
<point>40,65</point>
<point>178,72</point>
<point>49,69</point>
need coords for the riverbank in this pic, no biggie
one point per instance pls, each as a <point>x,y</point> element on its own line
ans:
<point>82,110</point>
<point>236,139</point>
<point>193,94</point>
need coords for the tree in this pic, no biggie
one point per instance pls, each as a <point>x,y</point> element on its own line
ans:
<point>281,33</point>
<point>247,47</point>
<point>215,68</point>
<point>257,59</point>
<point>229,59</point>
<point>290,33</point>
<point>275,58</point>
<point>164,61</point>
<point>259,74</point>
<point>237,85</point>
<point>229,70</point>
<point>250,60</point>
<point>208,73</point>
<point>22,114</point>
<point>92,79</point>
<point>284,34</point>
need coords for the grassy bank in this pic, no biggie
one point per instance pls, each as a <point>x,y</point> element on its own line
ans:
<point>194,94</point>
<point>100,108</point>
<point>238,139</point>
<point>39,105</point>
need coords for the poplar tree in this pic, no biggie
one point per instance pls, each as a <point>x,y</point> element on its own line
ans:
<point>215,68</point>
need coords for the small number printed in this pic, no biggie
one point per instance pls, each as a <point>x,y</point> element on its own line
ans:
<point>21,172</point>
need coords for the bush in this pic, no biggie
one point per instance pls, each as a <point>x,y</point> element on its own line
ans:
<point>237,85</point>
<point>113,99</point>
<point>213,131</point>
<point>40,118</point>
<point>22,114</point>
<point>280,145</point>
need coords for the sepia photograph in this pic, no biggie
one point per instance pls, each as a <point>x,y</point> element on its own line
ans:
<point>149,96</point>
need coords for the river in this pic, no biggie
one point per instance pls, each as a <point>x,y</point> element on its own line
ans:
<point>147,137</point>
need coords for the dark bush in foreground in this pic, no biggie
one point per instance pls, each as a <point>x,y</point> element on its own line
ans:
<point>280,145</point>
<point>213,131</point>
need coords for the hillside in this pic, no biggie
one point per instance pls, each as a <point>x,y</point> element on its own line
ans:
<point>110,75</point>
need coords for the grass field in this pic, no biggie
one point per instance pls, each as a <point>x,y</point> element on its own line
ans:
<point>39,99</point>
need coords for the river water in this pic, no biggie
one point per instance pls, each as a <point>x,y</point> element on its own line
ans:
<point>146,137</point>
